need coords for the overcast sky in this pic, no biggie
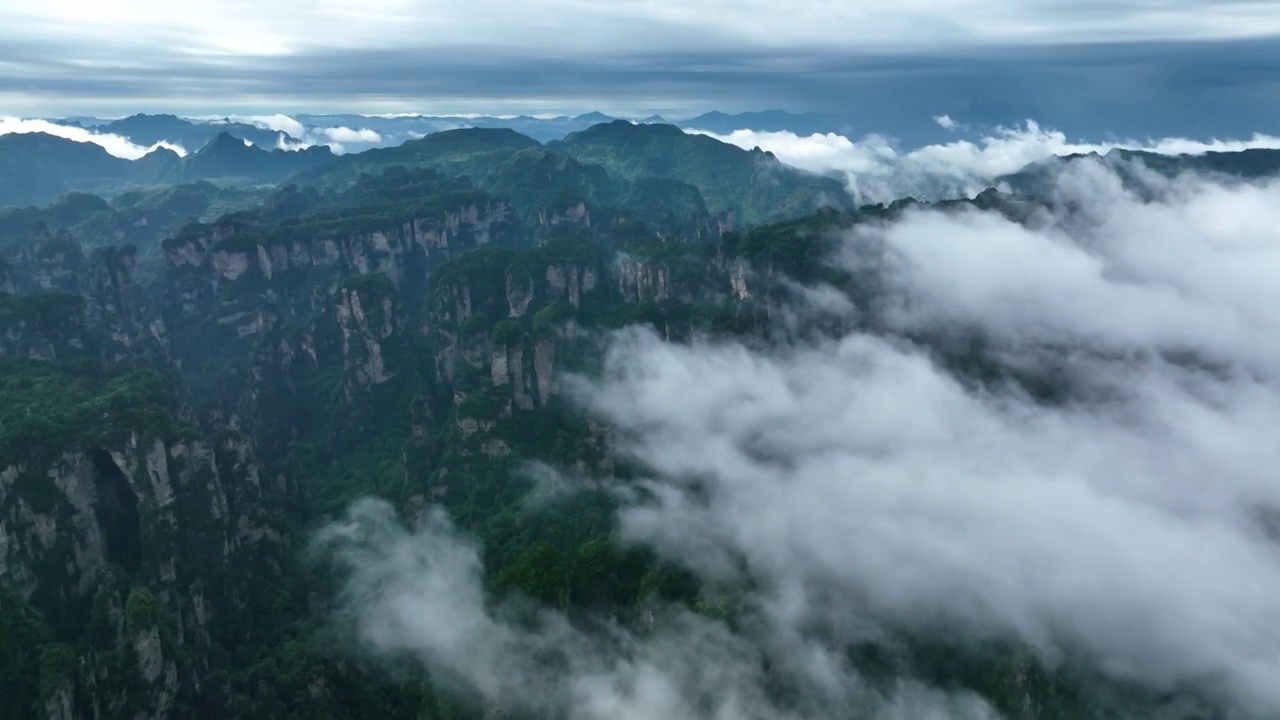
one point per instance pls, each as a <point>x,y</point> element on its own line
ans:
<point>1199,65</point>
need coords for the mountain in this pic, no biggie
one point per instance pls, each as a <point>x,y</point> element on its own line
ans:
<point>389,131</point>
<point>769,121</point>
<point>472,152</point>
<point>609,159</point>
<point>228,156</point>
<point>753,185</point>
<point>397,129</point>
<point>181,444</point>
<point>1246,164</point>
<point>38,168</point>
<point>141,218</point>
<point>147,130</point>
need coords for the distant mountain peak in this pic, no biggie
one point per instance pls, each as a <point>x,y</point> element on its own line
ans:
<point>225,142</point>
<point>622,129</point>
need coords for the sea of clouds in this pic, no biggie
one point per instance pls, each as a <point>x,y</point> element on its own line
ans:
<point>860,486</point>
<point>340,139</point>
<point>114,144</point>
<point>876,169</point>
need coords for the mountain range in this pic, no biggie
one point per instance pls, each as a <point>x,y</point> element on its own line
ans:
<point>205,366</point>
<point>381,131</point>
<point>38,168</point>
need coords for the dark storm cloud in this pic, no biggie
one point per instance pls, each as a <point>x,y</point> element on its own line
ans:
<point>1158,88</point>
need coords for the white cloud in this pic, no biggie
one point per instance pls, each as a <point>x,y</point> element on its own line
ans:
<point>1131,526</point>
<point>348,135</point>
<point>279,123</point>
<point>421,594</point>
<point>879,171</point>
<point>862,486</point>
<point>114,144</point>
<point>219,29</point>
<point>305,136</point>
<point>945,122</point>
<point>284,143</point>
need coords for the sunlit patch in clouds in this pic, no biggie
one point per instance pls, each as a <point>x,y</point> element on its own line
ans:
<point>114,144</point>
<point>878,170</point>
<point>863,484</point>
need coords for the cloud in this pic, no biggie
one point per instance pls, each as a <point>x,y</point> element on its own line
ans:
<point>279,123</point>
<point>114,144</point>
<point>877,170</point>
<point>863,485</point>
<point>305,136</point>
<point>1200,89</point>
<point>945,122</point>
<point>348,135</point>
<point>227,28</point>
<point>420,594</point>
<point>1127,527</point>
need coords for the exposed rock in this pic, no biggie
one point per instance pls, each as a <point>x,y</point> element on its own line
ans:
<point>117,308</point>
<point>738,281</point>
<point>366,322</point>
<point>499,367</point>
<point>7,283</point>
<point>544,364</point>
<point>641,281</point>
<point>44,327</point>
<point>49,263</point>
<point>519,295</point>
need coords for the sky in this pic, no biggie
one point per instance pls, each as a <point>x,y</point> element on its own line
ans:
<point>1191,67</point>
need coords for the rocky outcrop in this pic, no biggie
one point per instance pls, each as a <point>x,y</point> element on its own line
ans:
<point>104,306</point>
<point>117,307</point>
<point>7,284</point>
<point>227,286</point>
<point>641,281</point>
<point>570,282</point>
<point>48,263</point>
<point>576,213</point>
<point>369,322</point>
<point>44,327</point>
<point>520,294</point>
<point>544,366</point>
<point>152,509</point>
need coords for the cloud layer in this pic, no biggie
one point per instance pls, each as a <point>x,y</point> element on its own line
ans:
<point>339,139</point>
<point>222,28</point>
<point>1130,526</point>
<point>862,484</point>
<point>878,170</point>
<point>114,144</point>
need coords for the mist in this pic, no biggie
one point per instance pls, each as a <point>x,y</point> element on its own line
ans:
<point>339,139</point>
<point>877,169</point>
<point>114,144</point>
<point>864,486</point>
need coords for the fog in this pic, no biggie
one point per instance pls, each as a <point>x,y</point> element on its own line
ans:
<point>878,169</point>
<point>863,488</point>
<point>113,144</point>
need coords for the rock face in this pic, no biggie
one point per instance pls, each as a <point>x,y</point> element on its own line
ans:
<point>640,281</point>
<point>227,286</point>
<point>90,513</point>
<point>117,307</point>
<point>44,327</point>
<point>49,263</point>
<point>8,286</point>
<point>368,317</point>
<point>102,300</point>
